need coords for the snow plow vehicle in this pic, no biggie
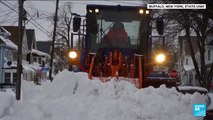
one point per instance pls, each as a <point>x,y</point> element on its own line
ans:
<point>115,42</point>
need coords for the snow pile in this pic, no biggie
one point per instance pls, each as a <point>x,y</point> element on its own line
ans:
<point>6,100</point>
<point>72,96</point>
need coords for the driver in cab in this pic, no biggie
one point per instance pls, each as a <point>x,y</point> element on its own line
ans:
<point>117,33</point>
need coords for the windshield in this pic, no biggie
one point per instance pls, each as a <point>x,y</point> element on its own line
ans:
<point>131,29</point>
<point>117,29</point>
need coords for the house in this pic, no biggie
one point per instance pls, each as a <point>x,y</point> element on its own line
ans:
<point>7,65</point>
<point>36,60</point>
<point>209,48</point>
<point>31,39</point>
<point>14,37</point>
<point>45,46</point>
<point>34,55</point>
<point>186,67</point>
<point>32,59</point>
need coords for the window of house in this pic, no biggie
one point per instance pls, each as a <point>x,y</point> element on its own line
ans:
<point>209,55</point>
<point>39,60</point>
<point>181,62</point>
<point>14,77</point>
<point>7,77</point>
<point>209,39</point>
<point>187,61</point>
<point>34,59</point>
<point>190,78</point>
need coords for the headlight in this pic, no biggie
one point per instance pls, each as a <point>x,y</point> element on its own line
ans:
<point>141,11</point>
<point>147,11</point>
<point>160,58</point>
<point>72,54</point>
<point>96,10</point>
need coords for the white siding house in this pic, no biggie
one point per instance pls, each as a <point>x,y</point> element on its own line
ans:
<point>186,67</point>
<point>7,47</point>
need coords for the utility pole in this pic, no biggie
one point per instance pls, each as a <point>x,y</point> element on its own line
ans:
<point>19,61</point>
<point>53,40</point>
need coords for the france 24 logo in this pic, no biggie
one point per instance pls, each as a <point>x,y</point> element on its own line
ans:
<point>199,110</point>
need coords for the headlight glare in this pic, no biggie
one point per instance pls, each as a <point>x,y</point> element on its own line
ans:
<point>72,54</point>
<point>160,58</point>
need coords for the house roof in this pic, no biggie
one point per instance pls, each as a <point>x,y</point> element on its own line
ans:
<point>39,53</point>
<point>5,32</point>
<point>44,46</point>
<point>30,36</point>
<point>14,33</point>
<point>8,43</point>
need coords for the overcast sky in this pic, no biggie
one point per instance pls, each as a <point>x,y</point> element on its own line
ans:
<point>40,11</point>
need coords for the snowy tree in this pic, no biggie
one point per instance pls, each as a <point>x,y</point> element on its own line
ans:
<point>62,43</point>
<point>64,25</point>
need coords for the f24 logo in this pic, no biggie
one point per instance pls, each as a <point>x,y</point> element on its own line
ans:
<point>199,110</point>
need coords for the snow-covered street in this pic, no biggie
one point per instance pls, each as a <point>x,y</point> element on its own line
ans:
<point>72,96</point>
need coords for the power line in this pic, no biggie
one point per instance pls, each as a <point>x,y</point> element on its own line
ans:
<point>31,6</point>
<point>3,11</point>
<point>4,15</point>
<point>31,18</point>
<point>7,14</point>
<point>38,12</point>
<point>35,9</point>
<point>42,28</point>
<point>45,14</point>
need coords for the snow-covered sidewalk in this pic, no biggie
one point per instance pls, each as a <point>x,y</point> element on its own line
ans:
<point>72,96</point>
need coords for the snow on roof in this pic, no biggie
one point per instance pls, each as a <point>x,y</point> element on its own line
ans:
<point>188,67</point>
<point>9,43</point>
<point>4,31</point>
<point>40,53</point>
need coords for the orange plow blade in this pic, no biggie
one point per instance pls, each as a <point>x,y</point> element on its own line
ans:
<point>118,67</point>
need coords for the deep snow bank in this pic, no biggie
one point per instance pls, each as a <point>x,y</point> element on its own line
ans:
<point>83,99</point>
<point>6,101</point>
<point>72,96</point>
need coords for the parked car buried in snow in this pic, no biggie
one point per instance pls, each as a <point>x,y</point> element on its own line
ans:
<point>192,89</point>
<point>201,90</point>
